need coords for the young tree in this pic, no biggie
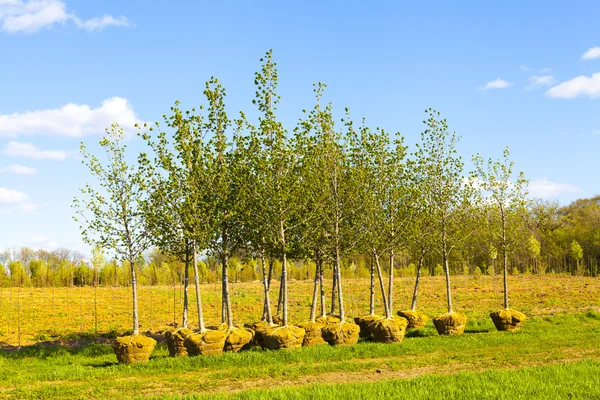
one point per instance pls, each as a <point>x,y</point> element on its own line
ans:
<point>335,192</point>
<point>111,218</point>
<point>280,193</point>
<point>177,209</point>
<point>506,202</point>
<point>451,200</point>
<point>420,239</point>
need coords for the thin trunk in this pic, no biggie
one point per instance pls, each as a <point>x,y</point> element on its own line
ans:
<point>448,286</point>
<point>270,273</point>
<point>382,285</point>
<point>333,289</point>
<point>267,306</point>
<point>313,308</point>
<point>19,313</point>
<point>284,274</point>
<point>226,298</point>
<point>322,289</point>
<point>198,298</point>
<point>174,301</point>
<point>413,305</point>
<point>136,322</point>
<point>280,295</point>
<point>504,258</point>
<point>372,289</point>
<point>391,284</point>
<point>186,275</point>
<point>339,284</point>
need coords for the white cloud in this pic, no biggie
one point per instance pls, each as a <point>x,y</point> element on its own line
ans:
<point>99,23</point>
<point>17,149</point>
<point>592,54</point>
<point>71,120</point>
<point>496,84</point>
<point>578,86</point>
<point>525,68</point>
<point>8,196</point>
<point>545,70</point>
<point>547,189</point>
<point>30,16</point>
<point>19,169</point>
<point>536,81</point>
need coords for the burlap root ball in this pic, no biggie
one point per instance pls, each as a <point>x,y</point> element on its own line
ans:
<point>388,330</point>
<point>341,333</point>
<point>365,325</point>
<point>508,320</point>
<point>416,320</point>
<point>175,340</point>
<point>260,328</point>
<point>313,335</point>
<point>134,348</point>
<point>210,342</point>
<point>239,338</point>
<point>450,323</point>
<point>330,319</point>
<point>284,337</point>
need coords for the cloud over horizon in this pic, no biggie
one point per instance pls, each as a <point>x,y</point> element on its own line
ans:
<point>497,83</point>
<point>546,189</point>
<point>592,54</point>
<point>579,86</point>
<point>28,150</point>
<point>31,16</point>
<point>70,120</point>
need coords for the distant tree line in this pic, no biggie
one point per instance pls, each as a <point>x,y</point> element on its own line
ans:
<point>553,239</point>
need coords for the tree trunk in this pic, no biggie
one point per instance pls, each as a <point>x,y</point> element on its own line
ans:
<point>413,305</point>
<point>186,275</point>
<point>136,323</point>
<point>322,289</point>
<point>382,285</point>
<point>226,299</point>
<point>267,301</point>
<point>372,289</point>
<point>198,298</point>
<point>313,307</point>
<point>280,295</point>
<point>391,284</point>
<point>284,274</point>
<point>448,286</point>
<point>333,289</point>
<point>339,283</point>
<point>504,259</point>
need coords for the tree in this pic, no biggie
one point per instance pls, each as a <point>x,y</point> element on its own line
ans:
<point>576,252</point>
<point>450,198</point>
<point>506,202</point>
<point>177,209</point>
<point>111,218</point>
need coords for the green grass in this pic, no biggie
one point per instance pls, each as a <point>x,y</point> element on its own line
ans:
<point>92,371</point>
<point>578,380</point>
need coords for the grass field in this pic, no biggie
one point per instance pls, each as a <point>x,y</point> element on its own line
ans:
<point>42,314</point>
<point>556,354</point>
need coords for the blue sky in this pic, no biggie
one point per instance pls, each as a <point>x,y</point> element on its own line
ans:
<point>519,74</point>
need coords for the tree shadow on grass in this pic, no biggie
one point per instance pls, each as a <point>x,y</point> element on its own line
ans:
<point>470,331</point>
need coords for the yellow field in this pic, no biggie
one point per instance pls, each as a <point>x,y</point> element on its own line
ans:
<point>30,315</point>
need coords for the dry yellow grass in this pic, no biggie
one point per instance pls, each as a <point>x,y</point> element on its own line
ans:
<point>45,313</point>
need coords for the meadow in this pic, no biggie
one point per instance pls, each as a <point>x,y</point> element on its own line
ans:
<point>559,341</point>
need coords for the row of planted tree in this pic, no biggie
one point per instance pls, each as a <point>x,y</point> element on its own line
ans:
<point>320,192</point>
